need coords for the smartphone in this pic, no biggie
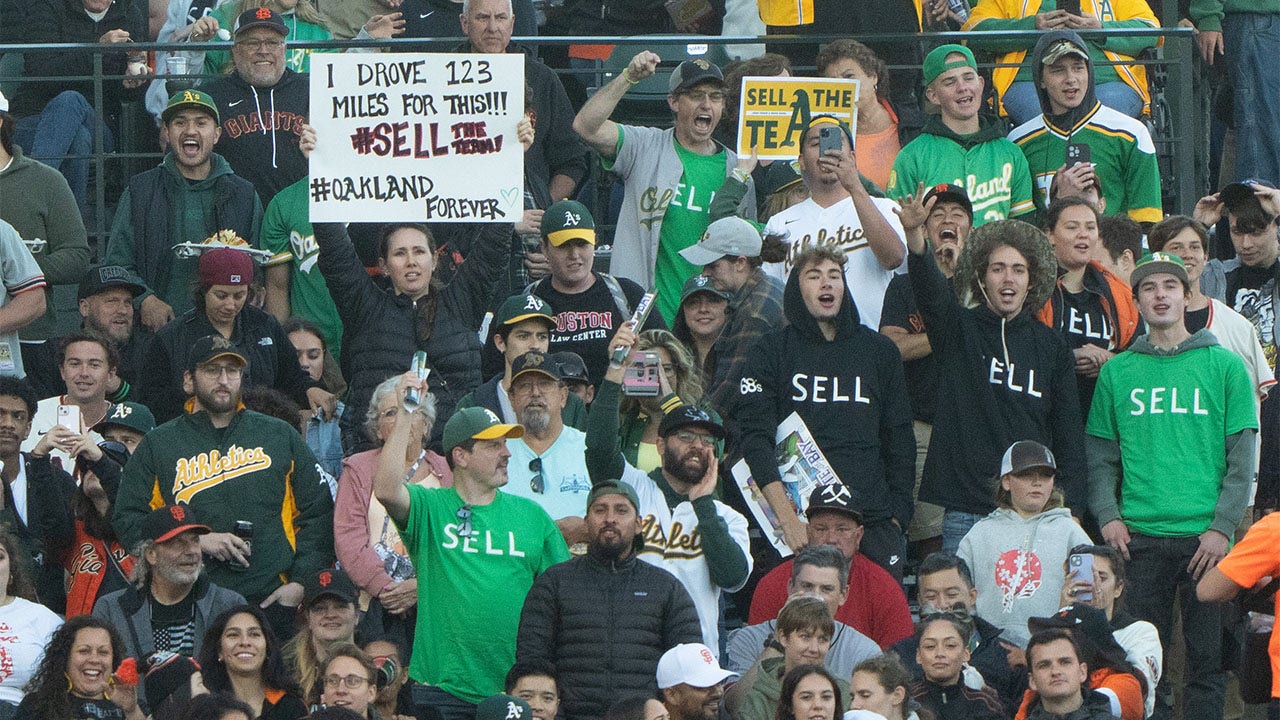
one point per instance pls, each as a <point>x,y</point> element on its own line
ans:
<point>1082,565</point>
<point>641,379</point>
<point>829,139</point>
<point>1078,153</point>
<point>69,417</point>
<point>413,396</point>
<point>1071,6</point>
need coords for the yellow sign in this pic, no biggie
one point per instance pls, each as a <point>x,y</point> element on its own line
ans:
<point>774,112</point>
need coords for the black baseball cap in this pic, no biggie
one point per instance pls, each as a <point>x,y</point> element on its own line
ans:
<point>535,361</point>
<point>692,72</point>
<point>1239,194</point>
<point>834,497</point>
<point>571,366</point>
<point>329,582</point>
<point>684,416</point>
<point>1025,455</point>
<point>947,192</point>
<point>168,522</point>
<point>210,348</point>
<point>105,277</point>
<point>260,17</point>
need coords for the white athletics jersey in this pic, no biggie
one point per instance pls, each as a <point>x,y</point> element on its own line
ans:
<point>839,226</point>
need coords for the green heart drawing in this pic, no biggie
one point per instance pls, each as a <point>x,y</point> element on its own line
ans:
<point>514,199</point>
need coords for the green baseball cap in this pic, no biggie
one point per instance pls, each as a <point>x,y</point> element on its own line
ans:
<point>476,423</point>
<point>190,99</point>
<point>701,284</point>
<point>935,63</point>
<point>132,415</point>
<point>568,220</point>
<point>614,487</point>
<point>519,308</point>
<point>1158,262</point>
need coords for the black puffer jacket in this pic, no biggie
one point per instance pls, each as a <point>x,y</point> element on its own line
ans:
<point>381,327</point>
<point>604,626</point>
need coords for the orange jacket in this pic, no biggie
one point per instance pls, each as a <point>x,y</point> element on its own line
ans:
<point>1117,303</point>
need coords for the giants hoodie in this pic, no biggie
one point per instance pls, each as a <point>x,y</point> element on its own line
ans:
<point>849,391</point>
<point>260,129</point>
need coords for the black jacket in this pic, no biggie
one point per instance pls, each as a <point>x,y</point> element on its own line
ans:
<point>1002,381</point>
<point>432,19</point>
<point>50,528</point>
<point>261,128</point>
<point>850,392</point>
<point>272,360</point>
<point>956,702</point>
<point>380,328</point>
<point>991,658</point>
<point>65,21</point>
<point>604,626</point>
<point>1096,706</point>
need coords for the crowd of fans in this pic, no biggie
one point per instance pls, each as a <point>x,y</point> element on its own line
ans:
<point>460,472</point>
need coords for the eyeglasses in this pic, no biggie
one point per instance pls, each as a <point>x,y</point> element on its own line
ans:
<point>537,483</point>
<point>689,437</point>
<point>256,45</point>
<point>526,387</point>
<point>352,682</point>
<point>213,371</point>
<point>714,96</point>
<point>464,521</point>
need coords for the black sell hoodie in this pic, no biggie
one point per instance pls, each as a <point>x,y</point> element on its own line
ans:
<point>261,128</point>
<point>1000,380</point>
<point>851,394</point>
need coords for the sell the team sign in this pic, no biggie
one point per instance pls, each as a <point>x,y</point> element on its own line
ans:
<point>417,137</point>
<point>775,112</point>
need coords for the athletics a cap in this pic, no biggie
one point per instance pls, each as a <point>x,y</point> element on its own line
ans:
<point>534,361</point>
<point>132,415</point>
<point>729,236</point>
<point>936,63</point>
<point>519,308</point>
<point>692,72</point>
<point>194,99</point>
<point>1025,455</point>
<point>1158,262</point>
<point>701,284</point>
<point>503,707</point>
<point>476,423</point>
<point>568,220</point>
<point>690,664</point>
<point>210,348</point>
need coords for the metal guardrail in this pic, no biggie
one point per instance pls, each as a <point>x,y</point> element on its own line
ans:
<point>1180,113</point>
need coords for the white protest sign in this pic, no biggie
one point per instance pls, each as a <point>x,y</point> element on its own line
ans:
<point>417,137</point>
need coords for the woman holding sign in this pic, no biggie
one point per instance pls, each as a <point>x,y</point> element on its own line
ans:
<point>387,319</point>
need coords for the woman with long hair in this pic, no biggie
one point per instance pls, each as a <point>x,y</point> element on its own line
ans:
<point>641,415</point>
<point>329,615</point>
<point>703,314</point>
<point>942,654</point>
<point>30,624</point>
<point>97,563</point>
<point>810,692</point>
<point>76,681</point>
<point>242,657</point>
<point>322,432</point>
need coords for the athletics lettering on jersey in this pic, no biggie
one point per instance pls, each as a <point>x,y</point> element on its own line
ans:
<point>996,190</point>
<point>305,250</point>
<point>1010,378</point>
<point>1160,400</point>
<point>196,474</point>
<point>678,545</point>
<point>845,239</point>
<point>824,389</point>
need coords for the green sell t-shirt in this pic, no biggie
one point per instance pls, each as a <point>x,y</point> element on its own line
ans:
<point>287,234</point>
<point>471,590</point>
<point>686,218</point>
<point>1171,415</point>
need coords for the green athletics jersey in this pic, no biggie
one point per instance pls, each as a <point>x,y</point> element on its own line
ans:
<point>471,587</point>
<point>986,165</point>
<point>287,234</point>
<point>686,218</point>
<point>1171,415</point>
<point>1120,149</point>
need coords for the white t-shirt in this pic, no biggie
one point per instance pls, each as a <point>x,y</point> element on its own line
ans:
<point>839,226</point>
<point>565,482</point>
<point>25,628</point>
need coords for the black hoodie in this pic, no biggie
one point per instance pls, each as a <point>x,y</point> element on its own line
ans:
<point>1001,381</point>
<point>851,394</point>
<point>1073,117</point>
<point>261,128</point>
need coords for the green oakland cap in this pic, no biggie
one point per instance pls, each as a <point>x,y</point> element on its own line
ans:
<point>935,63</point>
<point>701,284</point>
<point>1158,262</point>
<point>190,99</point>
<point>568,220</point>
<point>519,308</point>
<point>476,423</point>
<point>503,707</point>
<point>132,415</point>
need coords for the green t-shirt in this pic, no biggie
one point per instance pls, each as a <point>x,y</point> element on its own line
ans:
<point>471,590</point>
<point>286,232</point>
<point>1171,415</point>
<point>686,218</point>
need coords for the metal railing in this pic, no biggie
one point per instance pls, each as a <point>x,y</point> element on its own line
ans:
<point>1179,111</point>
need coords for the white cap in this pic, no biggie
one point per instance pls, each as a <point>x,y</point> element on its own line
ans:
<point>690,664</point>
<point>731,236</point>
<point>4,103</point>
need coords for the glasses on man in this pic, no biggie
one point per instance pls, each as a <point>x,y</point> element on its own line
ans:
<point>464,521</point>
<point>217,371</point>
<point>715,96</point>
<point>685,436</point>
<point>256,45</point>
<point>538,482</point>
<point>351,682</point>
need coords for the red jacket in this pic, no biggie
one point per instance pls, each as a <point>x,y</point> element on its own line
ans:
<point>875,607</point>
<point>87,564</point>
